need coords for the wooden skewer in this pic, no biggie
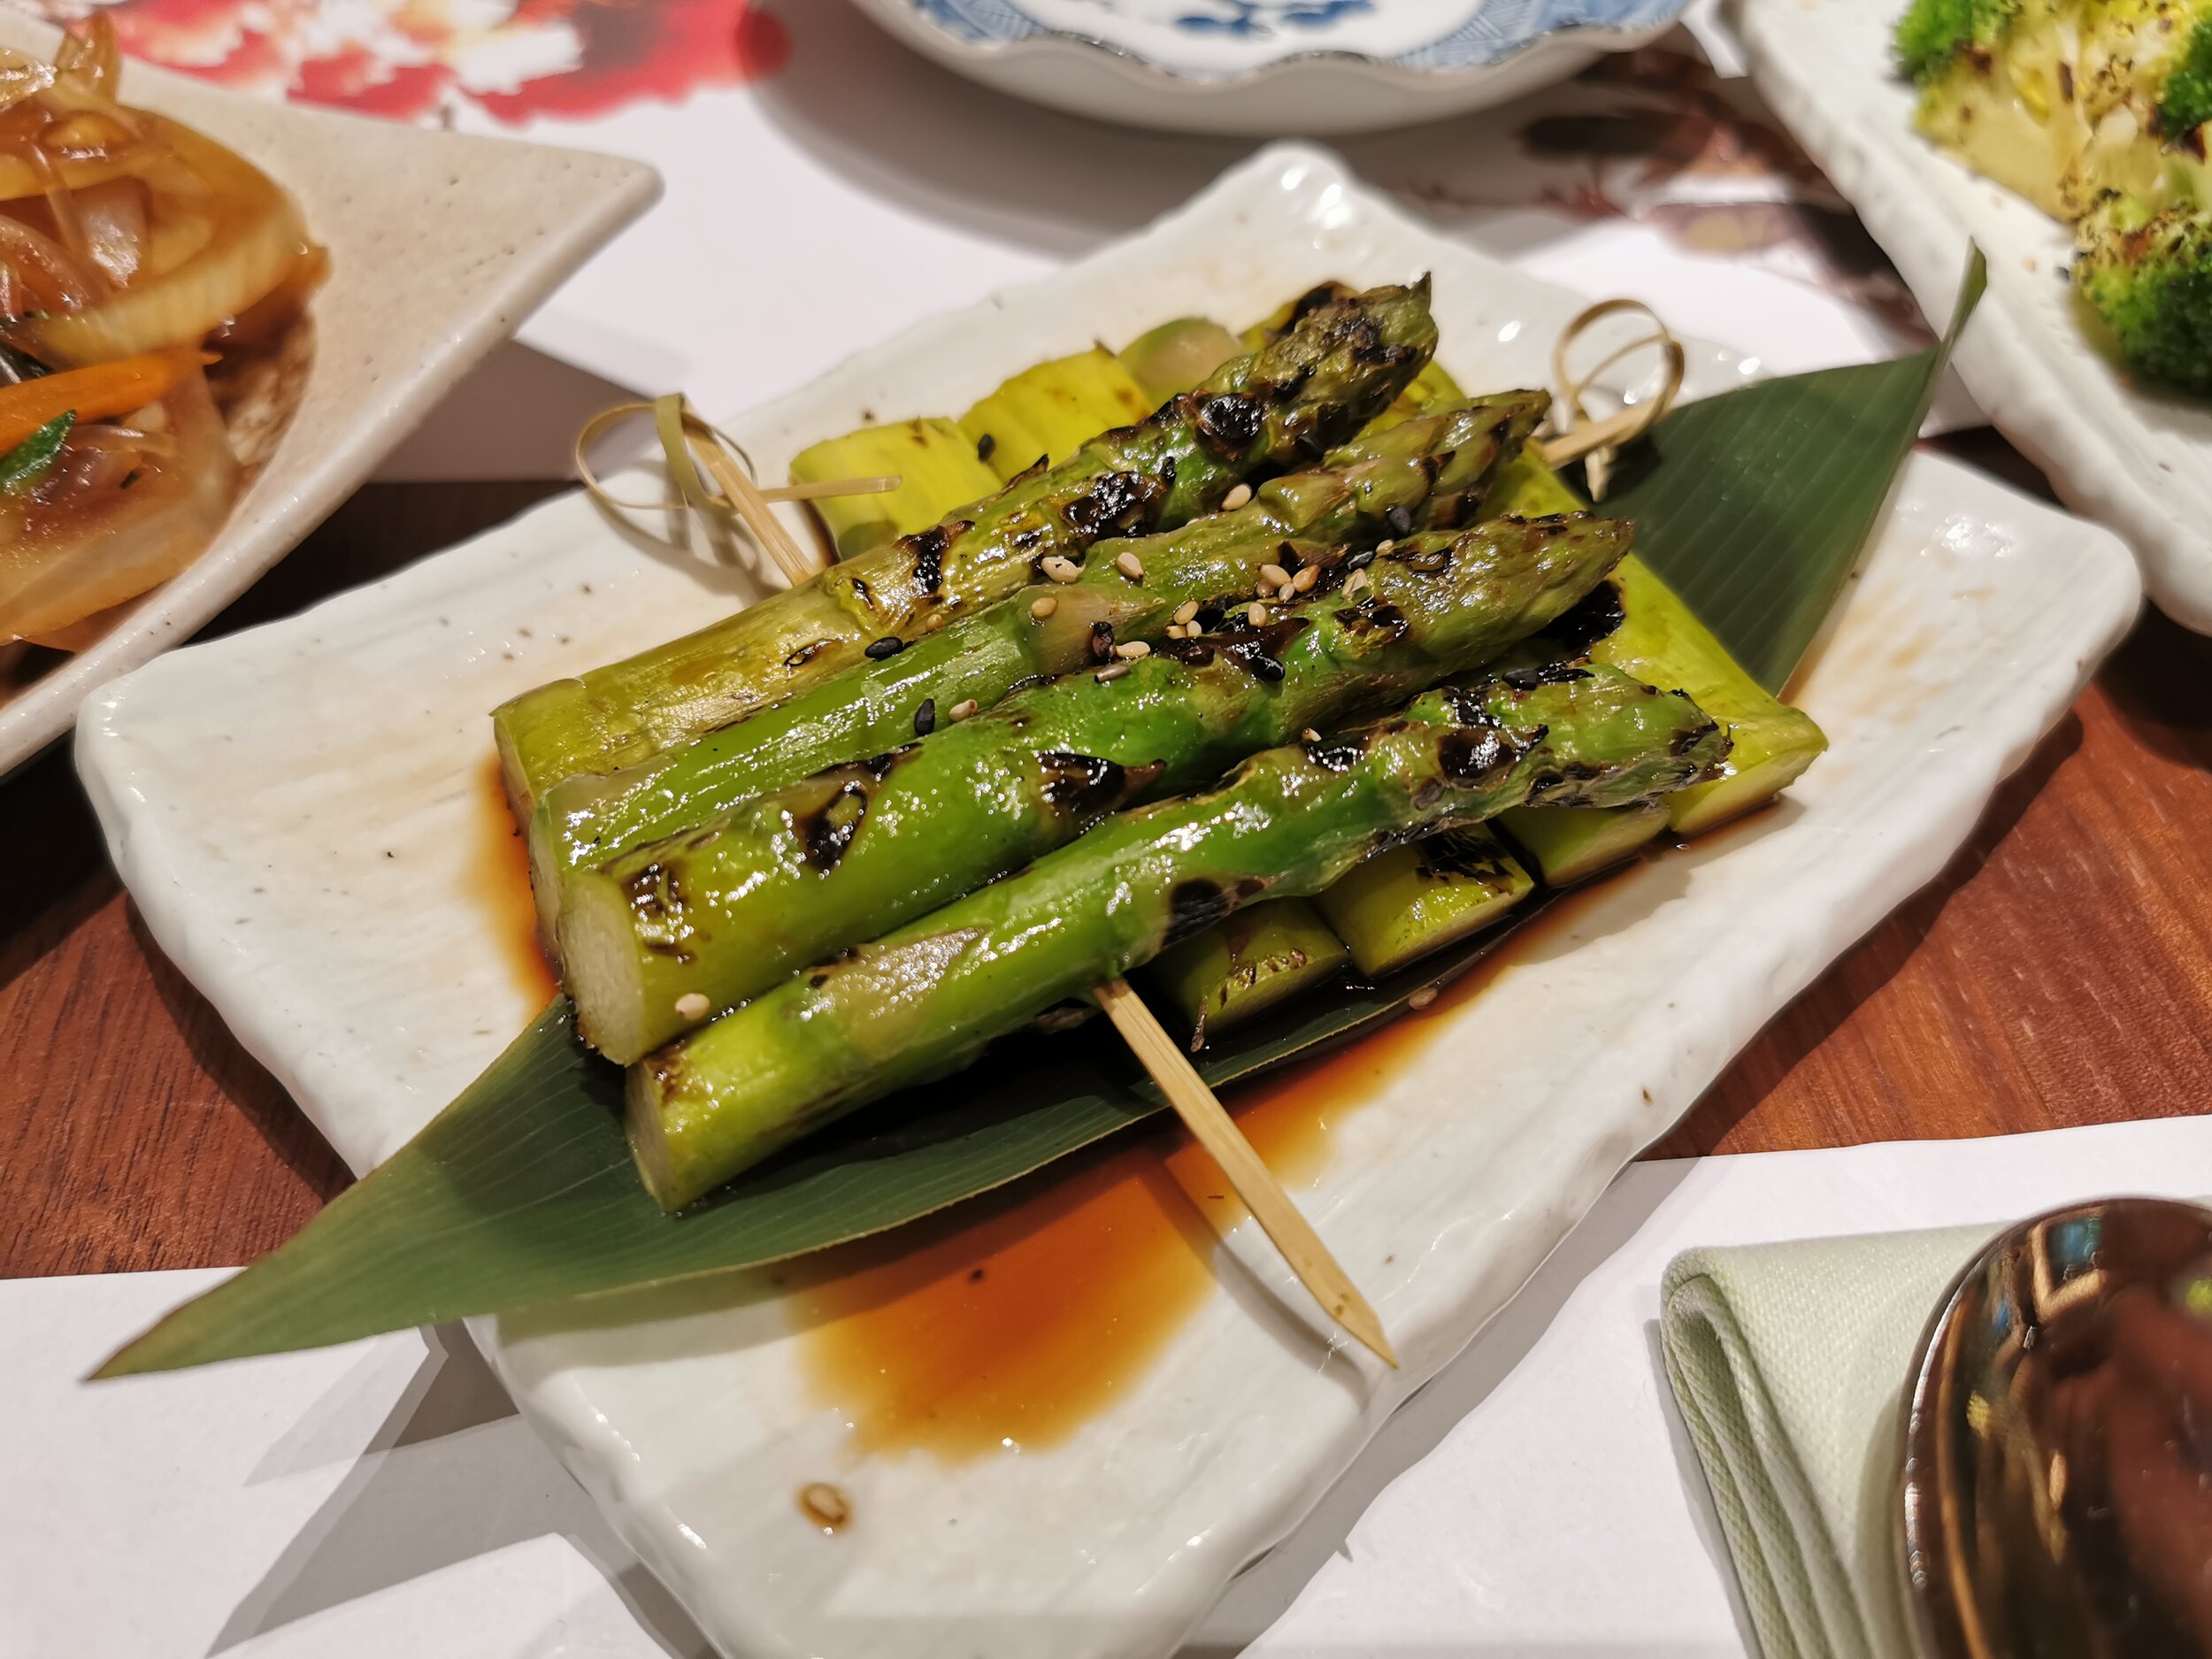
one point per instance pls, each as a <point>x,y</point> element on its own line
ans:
<point>752,506</point>
<point>879,485</point>
<point>1255,1183</point>
<point>1572,446</point>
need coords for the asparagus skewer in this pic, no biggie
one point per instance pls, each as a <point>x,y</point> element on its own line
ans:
<point>927,999</point>
<point>1289,403</point>
<point>879,705</point>
<point>659,937</point>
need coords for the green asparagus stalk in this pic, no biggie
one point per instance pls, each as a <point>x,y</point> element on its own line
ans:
<point>659,937</point>
<point>927,999</point>
<point>1404,903</point>
<point>879,705</point>
<point>1305,392</point>
<point>1247,963</point>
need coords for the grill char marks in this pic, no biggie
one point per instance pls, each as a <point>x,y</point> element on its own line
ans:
<point>1086,786</point>
<point>1596,615</point>
<point>1118,504</point>
<point>1228,423</point>
<point>655,898</point>
<point>1196,905</point>
<point>1259,651</point>
<point>826,832</point>
<point>1338,753</point>
<point>928,548</point>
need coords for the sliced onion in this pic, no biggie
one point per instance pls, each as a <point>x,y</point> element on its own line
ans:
<point>43,269</point>
<point>76,556</point>
<point>257,241</point>
<point>111,217</point>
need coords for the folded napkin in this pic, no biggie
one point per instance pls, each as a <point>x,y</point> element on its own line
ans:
<point>1789,1363</point>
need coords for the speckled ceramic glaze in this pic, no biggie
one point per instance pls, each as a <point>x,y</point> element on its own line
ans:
<point>341,924</point>
<point>439,246</point>
<point>2137,457</point>
<point>1269,67</point>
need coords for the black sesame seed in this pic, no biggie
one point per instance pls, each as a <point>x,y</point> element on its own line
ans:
<point>1360,560</point>
<point>1400,519</point>
<point>889,645</point>
<point>984,445</point>
<point>925,717</point>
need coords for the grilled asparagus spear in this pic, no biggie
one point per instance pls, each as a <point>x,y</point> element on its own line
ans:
<point>877,705</point>
<point>1305,392</point>
<point>657,938</point>
<point>925,999</point>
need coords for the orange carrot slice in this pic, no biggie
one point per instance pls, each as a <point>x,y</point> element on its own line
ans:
<point>98,393</point>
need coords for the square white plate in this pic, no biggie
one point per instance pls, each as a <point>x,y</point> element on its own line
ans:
<point>303,811</point>
<point>2137,459</point>
<point>439,246</point>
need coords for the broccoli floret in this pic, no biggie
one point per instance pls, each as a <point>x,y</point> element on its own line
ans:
<point>2184,97</point>
<point>1934,33</point>
<point>2149,276</point>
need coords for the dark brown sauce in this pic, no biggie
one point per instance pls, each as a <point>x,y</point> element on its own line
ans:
<point>499,882</point>
<point>1009,1322</point>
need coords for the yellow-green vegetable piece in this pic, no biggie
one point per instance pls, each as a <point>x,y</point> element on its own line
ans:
<point>1662,643</point>
<point>1409,901</point>
<point>934,461</point>
<point>1178,356</point>
<point>1573,843</point>
<point>1247,963</point>
<point>1051,410</point>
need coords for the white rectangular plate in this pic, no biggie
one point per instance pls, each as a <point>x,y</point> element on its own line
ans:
<point>2136,457</point>
<point>439,246</point>
<point>300,811</point>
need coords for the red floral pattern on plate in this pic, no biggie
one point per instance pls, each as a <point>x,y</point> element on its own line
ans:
<point>418,60</point>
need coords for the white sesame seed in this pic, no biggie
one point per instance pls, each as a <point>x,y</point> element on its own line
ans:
<point>692,1006</point>
<point>936,621</point>
<point>1304,580</point>
<point>1133,650</point>
<point>1111,672</point>
<point>1062,570</point>
<point>962,710</point>
<point>1422,998</point>
<point>1236,498</point>
<point>1287,592</point>
<point>1385,545</point>
<point>1358,582</point>
<point>1273,575</point>
<point>1130,565</point>
<point>1175,630</point>
<point>1043,606</point>
<point>1185,611</point>
<point>1310,735</point>
<point>1257,615</point>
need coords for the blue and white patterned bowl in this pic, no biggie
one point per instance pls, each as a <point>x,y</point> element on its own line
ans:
<point>1270,66</point>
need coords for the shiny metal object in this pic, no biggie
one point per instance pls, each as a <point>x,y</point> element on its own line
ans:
<point>2057,1493</point>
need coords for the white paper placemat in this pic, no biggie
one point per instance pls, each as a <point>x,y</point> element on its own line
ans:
<point>380,1500</point>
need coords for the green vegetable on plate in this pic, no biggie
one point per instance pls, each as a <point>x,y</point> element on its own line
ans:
<point>927,999</point>
<point>877,705</point>
<point>1301,394</point>
<point>658,938</point>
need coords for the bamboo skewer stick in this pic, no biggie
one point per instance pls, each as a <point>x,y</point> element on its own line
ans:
<point>759,518</point>
<point>1255,1183</point>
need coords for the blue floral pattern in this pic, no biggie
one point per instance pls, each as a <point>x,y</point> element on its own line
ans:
<point>1498,27</point>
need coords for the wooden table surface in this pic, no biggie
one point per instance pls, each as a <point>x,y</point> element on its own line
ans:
<point>2059,972</point>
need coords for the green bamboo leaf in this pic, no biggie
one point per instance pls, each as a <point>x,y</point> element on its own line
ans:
<point>1754,505</point>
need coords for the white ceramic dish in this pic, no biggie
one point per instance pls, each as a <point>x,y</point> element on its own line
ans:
<point>339,926</point>
<point>1272,66</point>
<point>2139,459</point>
<point>439,246</point>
